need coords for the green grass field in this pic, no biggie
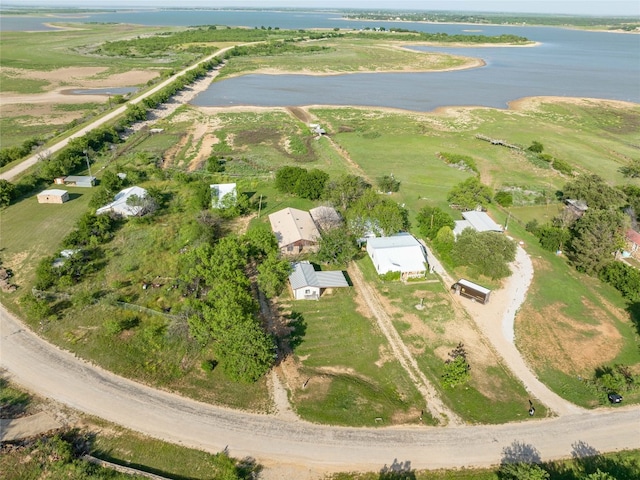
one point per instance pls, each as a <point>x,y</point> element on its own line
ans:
<point>352,378</point>
<point>346,55</point>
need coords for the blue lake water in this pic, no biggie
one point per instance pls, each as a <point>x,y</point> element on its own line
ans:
<point>567,63</point>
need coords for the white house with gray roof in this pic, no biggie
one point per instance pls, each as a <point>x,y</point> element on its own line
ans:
<point>308,284</point>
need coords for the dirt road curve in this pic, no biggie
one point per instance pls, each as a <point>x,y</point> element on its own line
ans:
<point>44,368</point>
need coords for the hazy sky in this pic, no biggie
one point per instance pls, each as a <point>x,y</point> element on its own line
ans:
<point>589,7</point>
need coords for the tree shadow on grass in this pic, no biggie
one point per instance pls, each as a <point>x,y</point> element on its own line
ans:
<point>634,313</point>
<point>13,404</point>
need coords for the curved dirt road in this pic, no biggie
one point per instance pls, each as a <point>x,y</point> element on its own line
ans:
<point>59,375</point>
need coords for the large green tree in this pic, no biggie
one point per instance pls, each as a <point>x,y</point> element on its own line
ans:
<point>431,219</point>
<point>377,213</point>
<point>273,273</point>
<point>486,253</point>
<point>345,190</point>
<point>7,191</point>
<point>470,194</point>
<point>311,184</point>
<point>337,246</point>
<point>596,236</point>
<point>594,191</point>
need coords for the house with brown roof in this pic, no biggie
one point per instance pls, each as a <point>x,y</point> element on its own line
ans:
<point>295,231</point>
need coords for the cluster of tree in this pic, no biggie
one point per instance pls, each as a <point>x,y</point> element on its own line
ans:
<point>470,194</point>
<point>66,271</point>
<point>441,37</point>
<point>10,154</point>
<point>273,48</point>
<point>545,160</point>
<point>299,181</point>
<point>492,18</point>
<point>223,310</point>
<point>161,43</point>
<point>619,379</point>
<point>485,253</point>
<point>630,170</point>
<point>78,152</point>
<point>84,257</point>
<point>592,239</point>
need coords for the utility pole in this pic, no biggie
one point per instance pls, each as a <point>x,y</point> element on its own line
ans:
<point>260,206</point>
<point>86,157</point>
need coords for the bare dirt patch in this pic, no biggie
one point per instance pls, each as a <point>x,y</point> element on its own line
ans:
<point>84,77</point>
<point>553,339</point>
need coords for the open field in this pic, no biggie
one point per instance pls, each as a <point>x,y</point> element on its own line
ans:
<point>341,370</point>
<point>372,143</point>
<point>349,55</point>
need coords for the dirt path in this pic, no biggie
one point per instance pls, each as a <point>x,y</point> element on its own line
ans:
<point>496,321</point>
<point>303,114</point>
<point>436,408</point>
<point>59,375</point>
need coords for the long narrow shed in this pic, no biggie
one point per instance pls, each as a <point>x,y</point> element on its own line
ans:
<point>471,290</point>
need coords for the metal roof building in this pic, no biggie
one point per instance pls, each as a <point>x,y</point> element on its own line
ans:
<point>307,283</point>
<point>479,221</point>
<point>398,253</point>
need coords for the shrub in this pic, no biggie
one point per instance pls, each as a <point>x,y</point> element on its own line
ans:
<point>390,277</point>
<point>536,147</point>
<point>504,198</point>
<point>208,365</point>
<point>388,183</point>
<point>456,368</point>
<point>562,166</point>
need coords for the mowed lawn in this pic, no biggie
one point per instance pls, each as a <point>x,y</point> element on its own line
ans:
<point>347,374</point>
<point>30,230</point>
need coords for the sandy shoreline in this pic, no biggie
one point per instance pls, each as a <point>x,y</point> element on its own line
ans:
<point>520,104</point>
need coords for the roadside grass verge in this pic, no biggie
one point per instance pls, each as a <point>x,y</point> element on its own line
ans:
<point>623,464</point>
<point>493,395</point>
<point>350,373</point>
